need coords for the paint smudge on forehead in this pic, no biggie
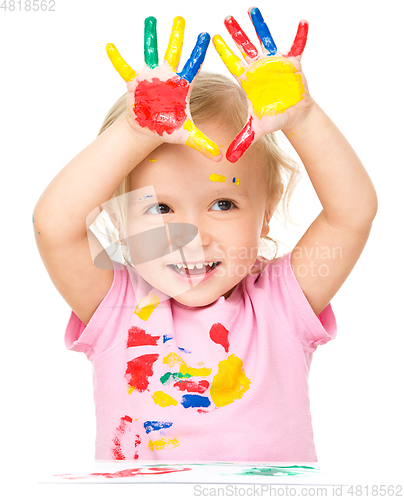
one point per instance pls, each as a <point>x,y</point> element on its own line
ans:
<point>217,178</point>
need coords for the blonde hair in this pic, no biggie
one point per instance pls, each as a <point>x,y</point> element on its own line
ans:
<point>217,98</point>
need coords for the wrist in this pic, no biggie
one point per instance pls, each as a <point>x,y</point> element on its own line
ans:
<point>301,122</point>
<point>140,136</point>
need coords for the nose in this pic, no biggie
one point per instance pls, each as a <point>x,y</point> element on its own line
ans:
<point>184,234</point>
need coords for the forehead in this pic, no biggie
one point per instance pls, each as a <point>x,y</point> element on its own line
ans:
<point>177,170</point>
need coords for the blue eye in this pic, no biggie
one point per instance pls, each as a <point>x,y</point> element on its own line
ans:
<point>224,205</point>
<point>158,209</point>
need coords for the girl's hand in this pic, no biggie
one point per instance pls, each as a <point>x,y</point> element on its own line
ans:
<point>273,82</point>
<point>158,96</point>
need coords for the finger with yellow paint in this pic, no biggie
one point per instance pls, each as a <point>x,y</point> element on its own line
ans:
<point>200,142</point>
<point>174,48</point>
<point>122,67</point>
<point>233,63</point>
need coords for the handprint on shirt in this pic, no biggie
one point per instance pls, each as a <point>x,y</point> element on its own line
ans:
<point>274,83</point>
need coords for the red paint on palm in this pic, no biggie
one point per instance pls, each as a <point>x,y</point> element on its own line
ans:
<point>241,143</point>
<point>300,40</point>
<point>160,105</point>
<point>219,334</point>
<point>139,370</point>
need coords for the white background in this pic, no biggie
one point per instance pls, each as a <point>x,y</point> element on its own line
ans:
<point>57,85</point>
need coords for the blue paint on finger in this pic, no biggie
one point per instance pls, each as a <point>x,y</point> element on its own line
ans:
<point>262,30</point>
<point>196,59</point>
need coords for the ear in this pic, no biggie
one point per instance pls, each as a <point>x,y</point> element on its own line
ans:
<point>269,212</point>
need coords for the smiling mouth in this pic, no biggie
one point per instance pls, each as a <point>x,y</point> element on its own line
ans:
<point>194,269</point>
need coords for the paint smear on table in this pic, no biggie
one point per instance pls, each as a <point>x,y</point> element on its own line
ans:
<point>230,382</point>
<point>147,305</point>
<point>160,105</point>
<point>138,372</point>
<point>137,336</point>
<point>217,178</point>
<point>143,471</point>
<point>291,470</point>
<point>220,335</point>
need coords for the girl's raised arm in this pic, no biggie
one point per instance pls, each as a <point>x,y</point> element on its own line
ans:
<point>91,178</point>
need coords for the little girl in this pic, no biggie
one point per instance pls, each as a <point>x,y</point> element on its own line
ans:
<point>201,349</point>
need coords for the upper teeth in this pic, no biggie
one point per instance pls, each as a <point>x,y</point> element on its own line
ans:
<point>192,266</point>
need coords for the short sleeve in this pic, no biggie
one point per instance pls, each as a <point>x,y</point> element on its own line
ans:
<point>91,339</point>
<point>296,311</point>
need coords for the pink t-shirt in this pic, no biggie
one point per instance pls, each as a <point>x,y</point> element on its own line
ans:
<point>225,382</point>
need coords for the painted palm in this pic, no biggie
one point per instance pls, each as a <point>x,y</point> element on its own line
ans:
<point>273,82</point>
<point>158,96</point>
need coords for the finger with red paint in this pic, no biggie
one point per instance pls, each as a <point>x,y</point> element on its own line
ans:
<point>158,95</point>
<point>275,86</point>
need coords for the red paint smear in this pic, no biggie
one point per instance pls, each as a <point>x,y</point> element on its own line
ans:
<point>128,473</point>
<point>240,37</point>
<point>190,386</point>
<point>117,451</point>
<point>241,143</point>
<point>137,443</point>
<point>300,40</point>
<point>161,106</point>
<point>137,336</point>
<point>139,370</point>
<point>219,334</point>
<point>202,411</point>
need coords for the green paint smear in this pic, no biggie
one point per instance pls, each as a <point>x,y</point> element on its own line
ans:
<point>169,376</point>
<point>151,55</point>
<point>272,471</point>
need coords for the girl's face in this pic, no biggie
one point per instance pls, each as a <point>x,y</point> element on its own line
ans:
<point>218,211</point>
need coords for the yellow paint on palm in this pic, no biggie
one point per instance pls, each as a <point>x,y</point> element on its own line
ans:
<point>230,382</point>
<point>273,86</point>
<point>161,444</point>
<point>173,52</point>
<point>217,178</point>
<point>126,72</point>
<point>173,359</point>
<point>197,140</point>
<point>146,306</point>
<point>163,399</point>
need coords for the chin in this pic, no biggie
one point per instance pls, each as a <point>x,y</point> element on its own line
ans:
<point>190,299</point>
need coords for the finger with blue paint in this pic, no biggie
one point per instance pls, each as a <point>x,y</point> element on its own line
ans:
<point>263,33</point>
<point>194,63</point>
